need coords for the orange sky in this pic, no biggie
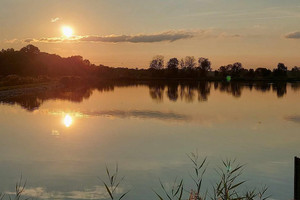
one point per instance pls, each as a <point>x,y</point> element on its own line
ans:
<point>129,33</point>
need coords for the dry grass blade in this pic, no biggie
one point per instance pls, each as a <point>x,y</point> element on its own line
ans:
<point>158,195</point>
<point>113,183</point>
<point>2,196</point>
<point>123,195</point>
<point>262,193</point>
<point>164,189</point>
<point>176,191</point>
<point>108,190</point>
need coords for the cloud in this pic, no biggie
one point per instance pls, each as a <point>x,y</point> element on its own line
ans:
<point>53,20</point>
<point>293,118</point>
<point>293,35</point>
<point>97,192</point>
<point>141,114</point>
<point>226,35</point>
<point>12,41</point>
<point>168,36</point>
<point>28,40</point>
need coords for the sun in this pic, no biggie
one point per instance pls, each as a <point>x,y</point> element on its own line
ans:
<point>67,31</point>
<point>68,120</point>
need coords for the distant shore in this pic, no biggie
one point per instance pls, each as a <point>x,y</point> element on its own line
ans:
<point>19,83</point>
<point>29,67</point>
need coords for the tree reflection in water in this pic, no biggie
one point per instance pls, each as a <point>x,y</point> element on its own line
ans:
<point>188,92</point>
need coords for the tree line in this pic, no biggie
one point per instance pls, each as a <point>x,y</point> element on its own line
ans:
<point>30,61</point>
<point>201,68</point>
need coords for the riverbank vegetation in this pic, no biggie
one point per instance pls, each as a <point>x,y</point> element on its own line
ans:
<point>229,185</point>
<point>29,61</point>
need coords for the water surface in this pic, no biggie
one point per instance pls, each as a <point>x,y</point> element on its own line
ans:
<point>61,140</point>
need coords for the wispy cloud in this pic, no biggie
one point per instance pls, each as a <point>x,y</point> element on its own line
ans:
<point>268,13</point>
<point>55,19</point>
<point>142,114</point>
<point>293,118</point>
<point>168,36</point>
<point>293,35</point>
<point>139,114</point>
<point>97,192</point>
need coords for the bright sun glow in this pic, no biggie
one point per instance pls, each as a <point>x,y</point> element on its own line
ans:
<point>67,31</point>
<point>68,120</point>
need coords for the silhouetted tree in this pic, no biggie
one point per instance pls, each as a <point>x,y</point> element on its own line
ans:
<point>281,67</point>
<point>225,70</point>
<point>250,73</point>
<point>182,64</point>
<point>281,70</point>
<point>29,61</point>
<point>262,72</point>
<point>30,49</point>
<point>190,62</point>
<point>296,69</point>
<point>157,62</point>
<point>173,64</point>
<point>204,65</point>
<point>236,68</point>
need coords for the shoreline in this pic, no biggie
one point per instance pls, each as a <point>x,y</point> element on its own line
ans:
<point>7,92</point>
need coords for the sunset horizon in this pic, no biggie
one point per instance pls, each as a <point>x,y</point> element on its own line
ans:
<point>130,33</point>
<point>149,100</point>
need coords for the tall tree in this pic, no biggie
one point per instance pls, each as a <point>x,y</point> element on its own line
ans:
<point>281,70</point>
<point>30,49</point>
<point>157,62</point>
<point>173,64</point>
<point>181,63</point>
<point>190,62</point>
<point>236,68</point>
<point>204,65</point>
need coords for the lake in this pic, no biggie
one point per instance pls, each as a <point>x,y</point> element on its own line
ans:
<point>61,140</point>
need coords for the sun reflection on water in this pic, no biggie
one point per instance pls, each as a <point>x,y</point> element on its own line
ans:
<point>67,120</point>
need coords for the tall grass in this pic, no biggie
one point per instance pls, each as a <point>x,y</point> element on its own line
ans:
<point>227,187</point>
<point>19,190</point>
<point>113,183</point>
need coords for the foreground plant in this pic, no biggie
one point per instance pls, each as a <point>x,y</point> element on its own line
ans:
<point>176,192</point>
<point>19,190</point>
<point>199,169</point>
<point>113,184</point>
<point>227,188</point>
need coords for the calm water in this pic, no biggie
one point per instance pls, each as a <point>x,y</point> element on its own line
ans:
<point>61,140</point>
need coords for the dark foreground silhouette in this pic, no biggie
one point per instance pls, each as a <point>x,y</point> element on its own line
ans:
<point>29,61</point>
<point>297,179</point>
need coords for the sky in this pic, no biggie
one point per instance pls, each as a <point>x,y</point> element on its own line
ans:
<point>128,33</point>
